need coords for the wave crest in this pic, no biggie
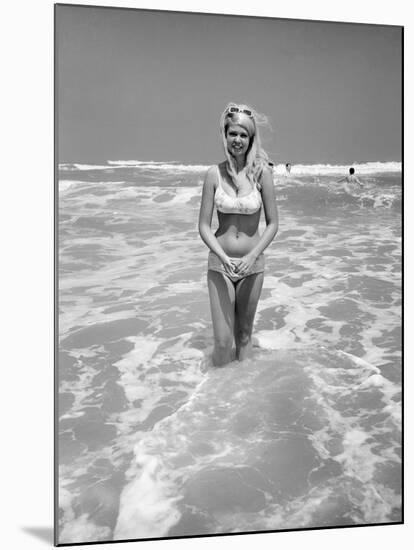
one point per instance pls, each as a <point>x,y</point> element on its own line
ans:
<point>279,169</point>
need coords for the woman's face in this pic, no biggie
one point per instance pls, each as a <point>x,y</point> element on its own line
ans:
<point>238,140</point>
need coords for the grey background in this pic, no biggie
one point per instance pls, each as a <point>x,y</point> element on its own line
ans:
<point>135,84</point>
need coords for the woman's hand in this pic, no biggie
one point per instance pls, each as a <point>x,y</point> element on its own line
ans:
<point>245,263</point>
<point>229,266</point>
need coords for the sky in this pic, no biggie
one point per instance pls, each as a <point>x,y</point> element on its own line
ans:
<point>143,85</point>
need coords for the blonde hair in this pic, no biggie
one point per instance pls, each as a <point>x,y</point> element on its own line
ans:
<point>256,157</point>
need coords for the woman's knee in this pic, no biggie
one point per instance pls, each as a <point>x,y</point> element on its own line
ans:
<point>223,342</point>
<point>244,335</point>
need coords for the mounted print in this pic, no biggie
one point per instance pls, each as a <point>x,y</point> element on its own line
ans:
<point>228,274</point>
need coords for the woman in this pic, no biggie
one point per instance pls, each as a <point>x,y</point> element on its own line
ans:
<point>238,187</point>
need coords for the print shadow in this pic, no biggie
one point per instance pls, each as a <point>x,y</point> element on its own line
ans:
<point>42,533</point>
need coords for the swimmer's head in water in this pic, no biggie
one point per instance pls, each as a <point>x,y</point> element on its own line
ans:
<point>352,171</point>
<point>245,116</point>
<point>288,166</point>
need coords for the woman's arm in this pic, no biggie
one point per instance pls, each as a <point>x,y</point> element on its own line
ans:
<point>272,224</point>
<point>206,214</point>
<point>270,211</point>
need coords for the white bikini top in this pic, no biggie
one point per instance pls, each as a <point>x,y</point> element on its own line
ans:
<point>247,204</point>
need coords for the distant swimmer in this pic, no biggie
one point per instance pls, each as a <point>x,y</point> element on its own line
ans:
<point>288,167</point>
<point>350,181</point>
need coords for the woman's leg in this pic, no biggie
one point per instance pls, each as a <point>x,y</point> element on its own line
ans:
<point>222,300</point>
<point>247,296</point>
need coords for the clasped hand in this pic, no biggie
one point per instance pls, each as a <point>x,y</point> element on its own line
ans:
<point>239,266</point>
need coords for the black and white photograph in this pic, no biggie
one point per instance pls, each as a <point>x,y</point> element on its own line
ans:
<point>228,210</point>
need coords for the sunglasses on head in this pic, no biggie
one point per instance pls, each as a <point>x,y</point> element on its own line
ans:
<point>233,110</point>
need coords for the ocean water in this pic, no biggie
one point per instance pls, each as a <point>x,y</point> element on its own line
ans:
<point>154,441</point>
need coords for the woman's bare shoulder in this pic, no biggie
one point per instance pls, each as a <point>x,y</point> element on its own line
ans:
<point>211,175</point>
<point>266,177</point>
<point>213,169</point>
